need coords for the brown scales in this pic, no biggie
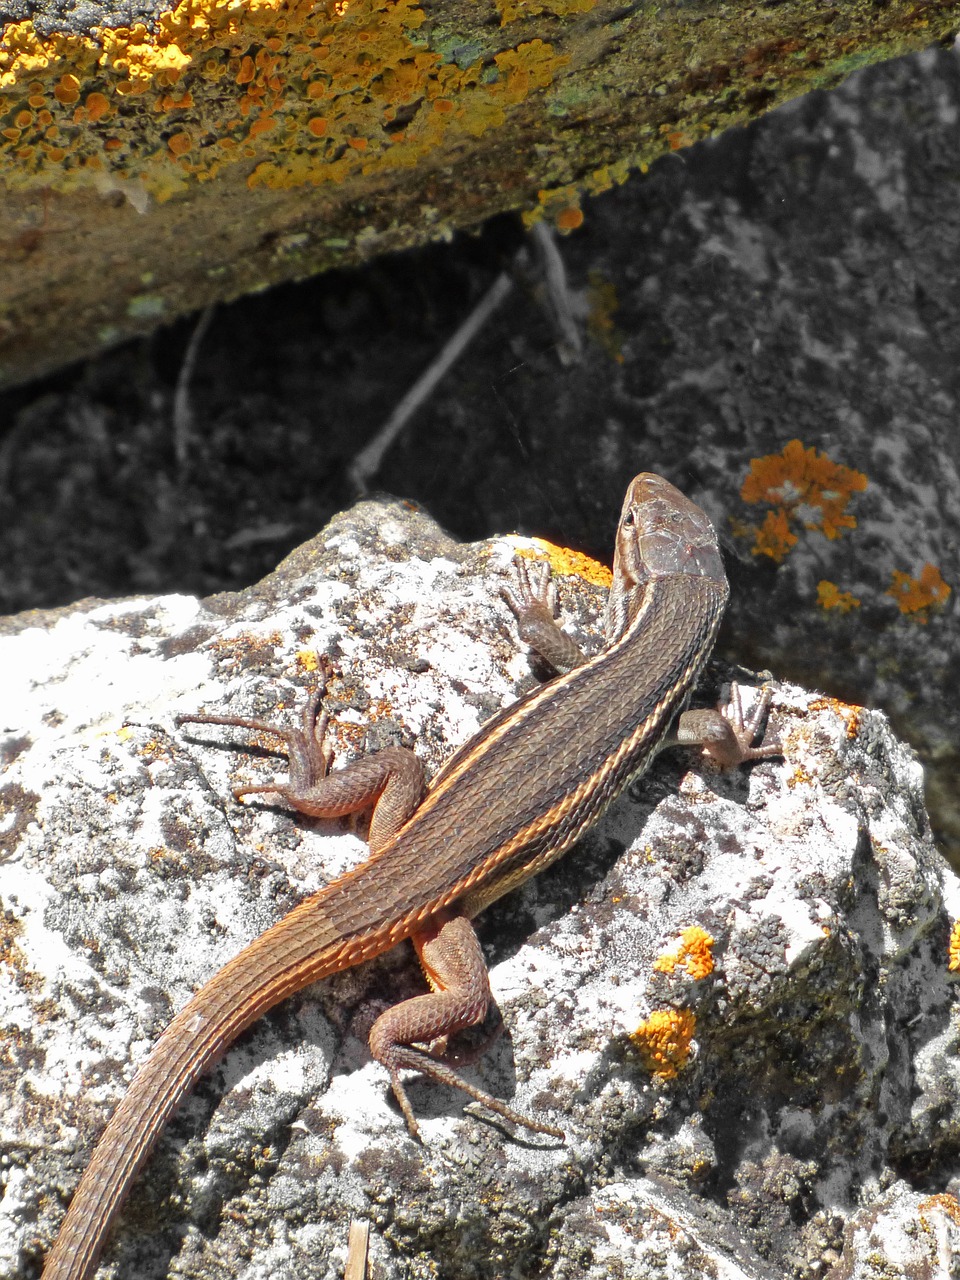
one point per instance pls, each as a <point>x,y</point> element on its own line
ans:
<point>507,804</point>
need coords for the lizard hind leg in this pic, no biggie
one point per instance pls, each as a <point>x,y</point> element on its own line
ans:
<point>453,962</point>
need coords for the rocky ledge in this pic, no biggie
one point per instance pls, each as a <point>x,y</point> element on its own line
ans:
<point>735,997</point>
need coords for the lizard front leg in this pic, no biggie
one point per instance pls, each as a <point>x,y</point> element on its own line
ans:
<point>392,781</point>
<point>531,596</point>
<point>724,733</point>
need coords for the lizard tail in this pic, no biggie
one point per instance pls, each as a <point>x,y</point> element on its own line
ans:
<point>299,949</point>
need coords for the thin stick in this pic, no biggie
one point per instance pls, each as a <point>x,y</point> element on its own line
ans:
<point>356,1268</point>
<point>182,412</point>
<point>570,347</point>
<point>367,462</point>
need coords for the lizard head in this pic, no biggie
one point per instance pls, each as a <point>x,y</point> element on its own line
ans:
<point>661,534</point>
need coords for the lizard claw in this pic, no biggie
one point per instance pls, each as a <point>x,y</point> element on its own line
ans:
<point>307,747</point>
<point>745,729</point>
<point>531,596</point>
<point>531,589</point>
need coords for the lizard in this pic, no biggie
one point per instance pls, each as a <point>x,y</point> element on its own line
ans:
<point>501,809</point>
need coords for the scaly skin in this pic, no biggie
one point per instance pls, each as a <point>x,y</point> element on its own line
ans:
<point>503,808</point>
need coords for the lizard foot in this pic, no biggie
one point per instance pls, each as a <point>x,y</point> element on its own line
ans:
<point>306,747</point>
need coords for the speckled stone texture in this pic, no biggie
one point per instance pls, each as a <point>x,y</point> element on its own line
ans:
<point>791,922</point>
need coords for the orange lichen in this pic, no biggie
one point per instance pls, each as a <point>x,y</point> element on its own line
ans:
<point>804,485</point>
<point>97,106</point>
<point>554,203</point>
<point>692,950</point>
<point>917,596</point>
<point>677,139</point>
<point>67,90</point>
<point>829,596</point>
<point>943,1201</point>
<point>246,77</point>
<point>774,538</point>
<point>848,712</point>
<point>563,560</point>
<point>569,219</point>
<point>664,1041</point>
<point>953,963</point>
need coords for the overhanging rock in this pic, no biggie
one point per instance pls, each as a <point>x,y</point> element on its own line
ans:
<point>154,160</point>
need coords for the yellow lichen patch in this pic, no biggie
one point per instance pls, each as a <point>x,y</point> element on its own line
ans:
<point>522,70</point>
<point>692,950</point>
<point>609,176</point>
<point>954,949</point>
<point>917,596</point>
<point>802,485</point>
<point>800,777</point>
<point>297,91</point>
<point>829,596</point>
<point>563,560</point>
<point>308,660</point>
<point>664,1041</point>
<point>511,10</point>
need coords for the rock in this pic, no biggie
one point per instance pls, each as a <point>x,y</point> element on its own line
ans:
<point>734,996</point>
<point>160,157</point>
